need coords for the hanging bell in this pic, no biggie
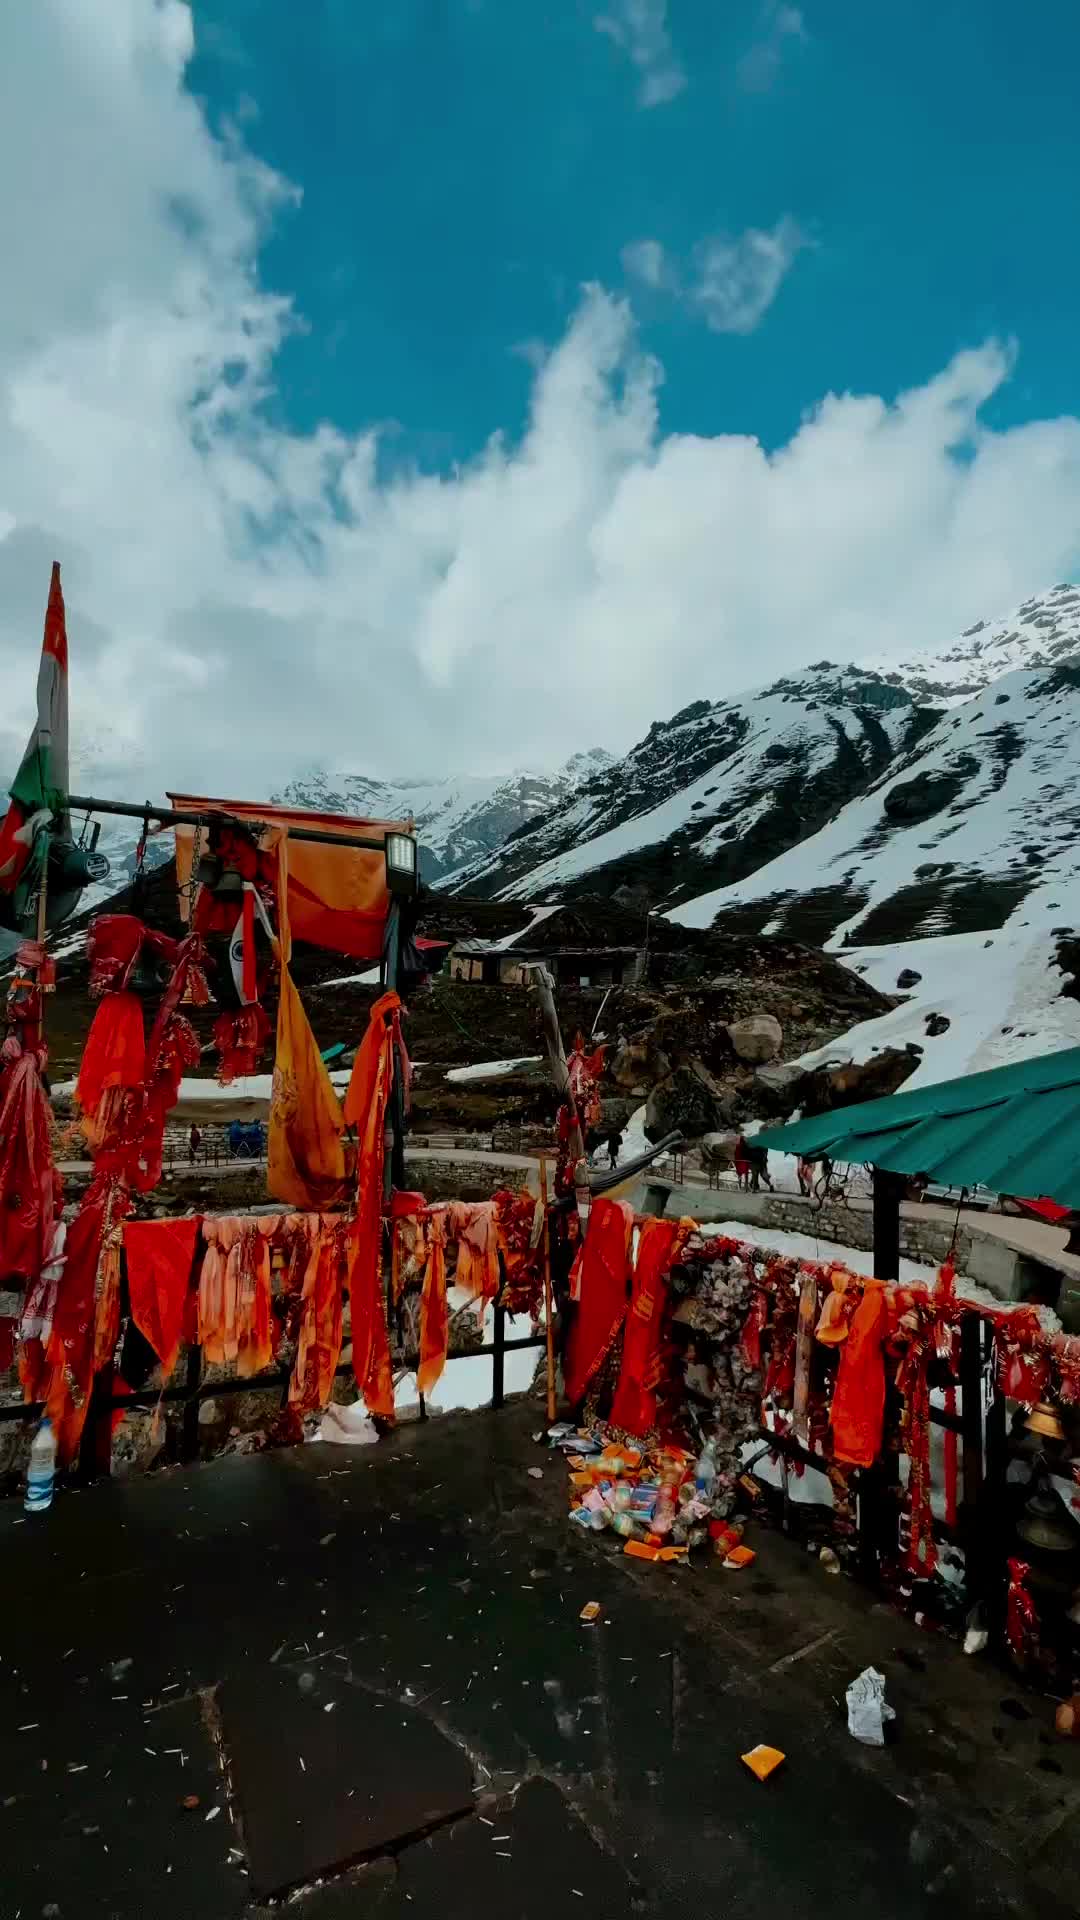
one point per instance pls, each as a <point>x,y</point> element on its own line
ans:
<point>229,886</point>
<point>1045,1420</point>
<point>145,978</point>
<point>1043,1525</point>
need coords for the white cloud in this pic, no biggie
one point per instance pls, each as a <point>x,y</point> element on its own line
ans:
<point>243,600</point>
<point>732,282</point>
<point>640,29</point>
<point>738,279</point>
<point>781,26</point>
<point>646,260</point>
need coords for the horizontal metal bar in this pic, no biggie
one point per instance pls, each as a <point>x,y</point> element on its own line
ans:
<point>259,1383</point>
<point>174,817</point>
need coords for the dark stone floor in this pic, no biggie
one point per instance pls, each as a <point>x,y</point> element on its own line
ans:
<point>370,1669</point>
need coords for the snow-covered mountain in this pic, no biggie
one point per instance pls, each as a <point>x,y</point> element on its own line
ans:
<point>459,819</point>
<point>725,790</point>
<point>976,826</point>
<point>714,792</point>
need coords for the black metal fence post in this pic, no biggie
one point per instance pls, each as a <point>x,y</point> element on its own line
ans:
<point>189,1435</point>
<point>497,1358</point>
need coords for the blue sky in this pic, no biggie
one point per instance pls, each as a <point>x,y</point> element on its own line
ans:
<point>447,385</point>
<point>467,164</point>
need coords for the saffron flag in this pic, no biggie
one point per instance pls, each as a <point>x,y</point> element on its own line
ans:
<point>39,791</point>
<point>338,897</point>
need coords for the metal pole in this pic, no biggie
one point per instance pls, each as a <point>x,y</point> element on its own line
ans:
<point>189,1433</point>
<point>181,817</point>
<point>395,1165</point>
<point>888,1192</point>
<point>499,1343</point>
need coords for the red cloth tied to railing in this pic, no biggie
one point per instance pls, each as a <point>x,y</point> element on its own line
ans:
<point>659,1243</point>
<point>602,1308</point>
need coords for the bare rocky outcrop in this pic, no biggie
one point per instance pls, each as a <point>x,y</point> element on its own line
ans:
<point>757,1039</point>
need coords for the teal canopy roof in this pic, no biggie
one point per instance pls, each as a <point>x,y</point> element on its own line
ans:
<point>1015,1129</point>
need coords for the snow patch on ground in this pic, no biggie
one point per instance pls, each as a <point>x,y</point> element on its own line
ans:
<point>1000,992</point>
<point>492,1069</point>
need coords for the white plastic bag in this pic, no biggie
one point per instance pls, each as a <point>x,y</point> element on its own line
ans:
<point>868,1709</point>
<point>348,1426</point>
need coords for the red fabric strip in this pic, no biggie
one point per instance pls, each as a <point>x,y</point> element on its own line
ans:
<point>160,1255</point>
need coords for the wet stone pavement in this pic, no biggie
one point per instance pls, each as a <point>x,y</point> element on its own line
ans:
<point>369,1670</point>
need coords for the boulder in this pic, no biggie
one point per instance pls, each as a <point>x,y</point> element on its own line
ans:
<point>937,1023</point>
<point>777,1088</point>
<point>757,1038</point>
<point>718,1151</point>
<point>637,1062</point>
<point>908,978</point>
<point>691,1101</point>
<point>846,1086</point>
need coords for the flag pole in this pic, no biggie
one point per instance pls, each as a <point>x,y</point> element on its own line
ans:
<point>550,1330</point>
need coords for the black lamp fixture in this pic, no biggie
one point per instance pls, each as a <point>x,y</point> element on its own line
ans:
<point>401,863</point>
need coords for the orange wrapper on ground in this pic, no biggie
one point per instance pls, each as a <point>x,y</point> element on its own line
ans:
<point>763,1760</point>
<point>641,1550</point>
<point>740,1557</point>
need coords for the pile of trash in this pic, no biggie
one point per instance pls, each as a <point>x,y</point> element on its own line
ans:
<point>661,1504</point>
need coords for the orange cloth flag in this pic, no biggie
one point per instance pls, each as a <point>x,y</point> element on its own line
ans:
<point>365,1109</point>
<point>318,1344</point>
<point>85,1319</point>
<point>475,1227</point>
<point>306,1160</point>
<point>338,896</point>
<point>159,1256</point>
<point>434,1312</point>
<point>858,1406</point>
<point>234,1292</point>
<point>659,1245</point>
<point>602,1308</point>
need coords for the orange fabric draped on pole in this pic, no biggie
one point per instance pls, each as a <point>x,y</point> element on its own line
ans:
<point>602,1308</point>
<point>365,1109</point>
<point>659,1245</point>
<point>338,896</point>
<point>306,1160</point>
<point>858,1406</point>
<point>434,1312</point>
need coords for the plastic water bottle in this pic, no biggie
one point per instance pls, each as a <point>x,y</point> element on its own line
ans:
<point>705,1471</point>
<point>42,1469</point>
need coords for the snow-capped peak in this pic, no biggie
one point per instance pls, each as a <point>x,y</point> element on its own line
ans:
<point>1043,630</point>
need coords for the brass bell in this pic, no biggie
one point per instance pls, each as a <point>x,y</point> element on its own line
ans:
<point>1043,1525</point>
<point>1046,1420</point>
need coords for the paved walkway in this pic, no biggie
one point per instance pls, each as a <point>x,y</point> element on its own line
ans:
<point>379,1654</point>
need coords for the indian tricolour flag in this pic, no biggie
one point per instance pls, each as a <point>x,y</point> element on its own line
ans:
<point>39,791</point>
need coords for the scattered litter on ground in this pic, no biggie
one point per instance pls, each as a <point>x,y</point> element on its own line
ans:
<point>190,1802</point>
<point>590,1611</point>
<point>829,1560</point>
<point>867,1708</point>
<point>536,1473</point>
<point>763,1760</point>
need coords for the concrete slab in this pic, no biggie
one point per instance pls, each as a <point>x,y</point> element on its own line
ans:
<point>432,1574</point>
<point>324,1774</point>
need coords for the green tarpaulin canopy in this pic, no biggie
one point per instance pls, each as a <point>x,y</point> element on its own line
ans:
<point>1015,1129</point>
